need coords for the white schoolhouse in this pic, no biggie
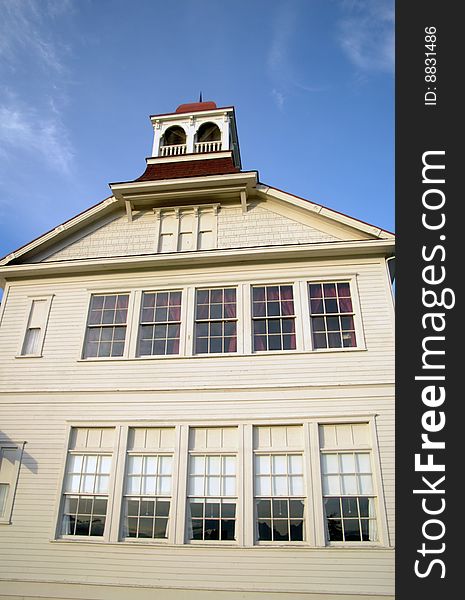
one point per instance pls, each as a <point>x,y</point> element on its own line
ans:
<point>197,390</point>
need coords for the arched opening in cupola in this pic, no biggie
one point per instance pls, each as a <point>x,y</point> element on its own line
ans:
<point>173,141</point>
<point>208,138</point>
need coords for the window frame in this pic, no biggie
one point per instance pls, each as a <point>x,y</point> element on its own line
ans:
<point>237,319</point>
<point>6,518</point>
<point>181,321</point>
<point>128,340</point>
<point>352,280</point>
<point>244,319</point>
<point>314,520</point>
<point>296,316</point>
<point>378,491</point>
<point>58,534</point>
<point>47,298</point>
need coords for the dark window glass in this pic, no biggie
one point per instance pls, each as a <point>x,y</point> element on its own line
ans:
<point>331,315</point>
<point>215,321</point>
<point>160,324</point>
<point>273,318</point>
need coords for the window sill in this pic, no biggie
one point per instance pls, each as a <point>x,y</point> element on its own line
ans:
<point>220,355</point>
<point>29,356</point>
<point>218,544</point>
<point>355,545</point>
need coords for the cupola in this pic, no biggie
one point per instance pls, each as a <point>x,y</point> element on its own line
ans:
<point>198,130</point>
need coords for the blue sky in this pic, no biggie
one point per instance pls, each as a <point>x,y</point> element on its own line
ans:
<point>311,80</point>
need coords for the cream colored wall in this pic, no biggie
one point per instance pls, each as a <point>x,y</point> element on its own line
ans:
<point>40,397</point>
<point>61,369</point>
<point>27,549</point>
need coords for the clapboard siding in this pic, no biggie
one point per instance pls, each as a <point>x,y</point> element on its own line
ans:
<point>28,553</point>
<point>60,363</point>
<point>41,397</point>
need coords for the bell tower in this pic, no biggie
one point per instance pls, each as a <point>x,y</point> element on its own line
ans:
<point>196,131</point>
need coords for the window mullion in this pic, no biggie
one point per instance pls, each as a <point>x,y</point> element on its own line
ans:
<point>176,480</point>
<point>189,317</point>
<point>304,307</point>
<point>248,517</point>
<point>309,477</point>
<point>132,333</point>
<point>181,497</point>
<point>316,485</point>
<point>118,472</point>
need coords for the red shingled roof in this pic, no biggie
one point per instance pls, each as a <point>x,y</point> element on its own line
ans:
<point>189,168</point>
<point>195,107</point>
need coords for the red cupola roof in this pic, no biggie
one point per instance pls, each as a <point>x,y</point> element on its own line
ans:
<point>195,107</point>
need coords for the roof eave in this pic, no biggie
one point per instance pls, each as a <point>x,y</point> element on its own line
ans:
<point>379,247</point>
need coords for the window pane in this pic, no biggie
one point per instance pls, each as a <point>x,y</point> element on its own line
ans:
<point>329,463</point>
<point>31,341</point>
<point>347,463</point>
<point>340,331</point>
<point>213,333</point>
<point>332,507</point>
<point>297,530</point>
<point>331,485</point>
<point>4,487</point>
<point>349,484</point>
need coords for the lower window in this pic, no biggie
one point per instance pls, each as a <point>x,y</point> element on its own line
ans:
<point>348,491</point>
<point>86,493</point>
<point>279,503</point>
<point>212,503</point>
<point>147,499</point>
<point>214,500</point>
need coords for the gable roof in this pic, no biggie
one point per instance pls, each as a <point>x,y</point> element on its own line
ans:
<point>247,180</point>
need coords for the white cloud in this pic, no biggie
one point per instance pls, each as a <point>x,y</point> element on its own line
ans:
<point>31,120</point>
<point>24,29</point>
<point>366,34</point>
<point>23,129</point>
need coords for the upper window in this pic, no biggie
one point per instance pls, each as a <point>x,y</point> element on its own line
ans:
<point>348,493</point>
<point>273,317</point>
<point>36,325</point>
<point>106,325</point>
<point>215,321</point>
<point>160,323</point>
<point>10,458</point>
<point>332,315</point>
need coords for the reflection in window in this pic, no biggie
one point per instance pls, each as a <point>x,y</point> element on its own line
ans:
<point>212,497</point>
<point>273,318</point>
<point>348,496</point>
<point>279,497</point>
<point>160,323</point>
<point>215,321</point>
<point>106,325</point>
<point>148,494</point>
<point>86,494</point>
<point>332,316</point>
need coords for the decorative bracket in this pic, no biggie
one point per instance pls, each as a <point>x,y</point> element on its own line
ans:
<point>244,201</point>
<point>129,209</point>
